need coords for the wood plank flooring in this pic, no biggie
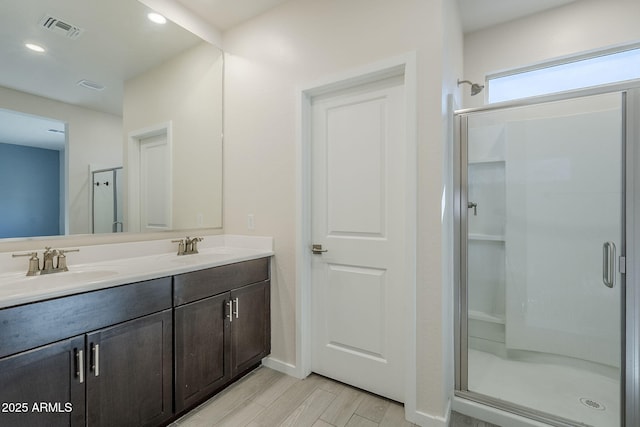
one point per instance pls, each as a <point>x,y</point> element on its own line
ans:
<point>267,398</point>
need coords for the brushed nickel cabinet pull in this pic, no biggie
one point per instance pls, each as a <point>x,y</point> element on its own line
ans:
<point>80,365</point>
<point>237,301</point>
<point>95,350</point>
<point>230,315</point>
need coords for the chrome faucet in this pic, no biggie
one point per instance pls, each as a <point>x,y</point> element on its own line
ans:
<point>188,245</point>
<point>54,261</point>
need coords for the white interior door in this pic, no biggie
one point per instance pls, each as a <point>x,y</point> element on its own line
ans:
<point>358,216</point>
<point>155,183</point>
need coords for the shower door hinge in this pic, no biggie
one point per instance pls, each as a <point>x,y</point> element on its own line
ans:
<point>622,265</point>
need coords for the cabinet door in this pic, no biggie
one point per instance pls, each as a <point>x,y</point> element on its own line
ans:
<point>44,387</point>
<point>251,326</point>
<point>129,378</point>
<point>202,365</point>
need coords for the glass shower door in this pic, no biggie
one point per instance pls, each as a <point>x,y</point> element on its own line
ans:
<point>544,227</point>
<point>106,209</point>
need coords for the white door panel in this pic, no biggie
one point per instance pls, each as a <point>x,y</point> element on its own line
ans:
<point>355,133</point>
<point>358,216</point>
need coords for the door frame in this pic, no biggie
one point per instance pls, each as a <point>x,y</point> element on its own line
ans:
<point>401,65</point>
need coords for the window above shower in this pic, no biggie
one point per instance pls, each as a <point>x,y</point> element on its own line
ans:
<point>610,66</point>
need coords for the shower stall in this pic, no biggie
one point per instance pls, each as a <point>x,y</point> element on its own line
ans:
<point>106,201</point>
<point>542,252</point>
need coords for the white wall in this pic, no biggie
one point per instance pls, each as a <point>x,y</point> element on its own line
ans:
<point>452,70</point>
<point>578,27</point>
<point>268,60</point>
<point>93,138</point>
<point>187,90</point>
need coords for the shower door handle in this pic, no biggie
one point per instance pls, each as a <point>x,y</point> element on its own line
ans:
<point>608,264</point>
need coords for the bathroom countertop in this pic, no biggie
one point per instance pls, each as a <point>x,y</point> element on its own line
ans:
<point>16,288</point>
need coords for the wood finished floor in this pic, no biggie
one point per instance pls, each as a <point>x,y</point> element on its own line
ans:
<point>267,398</point>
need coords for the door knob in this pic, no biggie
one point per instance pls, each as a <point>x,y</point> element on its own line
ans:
<point>317,249</point>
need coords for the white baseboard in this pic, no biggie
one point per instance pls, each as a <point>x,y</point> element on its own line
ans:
<point>284,367</point>
<point>427,420</point>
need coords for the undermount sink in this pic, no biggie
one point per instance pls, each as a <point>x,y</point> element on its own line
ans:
<point>88,274</point>
<point>208,254</point>
<point>20,280</point>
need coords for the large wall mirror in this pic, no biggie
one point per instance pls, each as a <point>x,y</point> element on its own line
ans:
<point>116,126</point>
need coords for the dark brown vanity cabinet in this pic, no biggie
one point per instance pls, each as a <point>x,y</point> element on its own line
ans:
<point>250,326</point>
<point>200,337</point>
<point>133,355</point>
<point>129,373</point>
<point>43,387</point>
<point>222,327</point>
<point>100,358</point>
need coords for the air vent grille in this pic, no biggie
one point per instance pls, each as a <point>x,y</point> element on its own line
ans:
<point>61,27</point>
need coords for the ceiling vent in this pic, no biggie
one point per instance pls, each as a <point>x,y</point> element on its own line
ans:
<point>58,26</point>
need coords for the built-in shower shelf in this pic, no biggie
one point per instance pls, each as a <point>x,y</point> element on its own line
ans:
<point>486,317</point>
<point>487,237</point>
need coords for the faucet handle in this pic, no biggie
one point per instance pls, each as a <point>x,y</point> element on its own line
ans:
<point>62,259</point>
<point>34,262</point>
<point>64,251</point>
<point>29,254</point>
<point>180,246</point>
<point>194,244</point>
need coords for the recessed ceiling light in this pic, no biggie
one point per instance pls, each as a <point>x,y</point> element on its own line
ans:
<point>157,18</point>
<point>34,47</point>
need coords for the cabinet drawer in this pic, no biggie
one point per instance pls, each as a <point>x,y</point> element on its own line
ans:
<point>189,287</point>
<point>32,325</point>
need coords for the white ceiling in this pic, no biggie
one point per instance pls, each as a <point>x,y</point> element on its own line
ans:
<point>118,42</point>
<point>479,14</point>
<point>225,14</point>
<point>116,45</point>
<point>475,14</point>
<point>33,131</point>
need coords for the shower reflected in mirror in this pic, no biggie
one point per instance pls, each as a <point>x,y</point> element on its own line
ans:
<point>106,203</point>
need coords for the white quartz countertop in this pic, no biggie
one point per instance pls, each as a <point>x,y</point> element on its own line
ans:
<point>16,288</point>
